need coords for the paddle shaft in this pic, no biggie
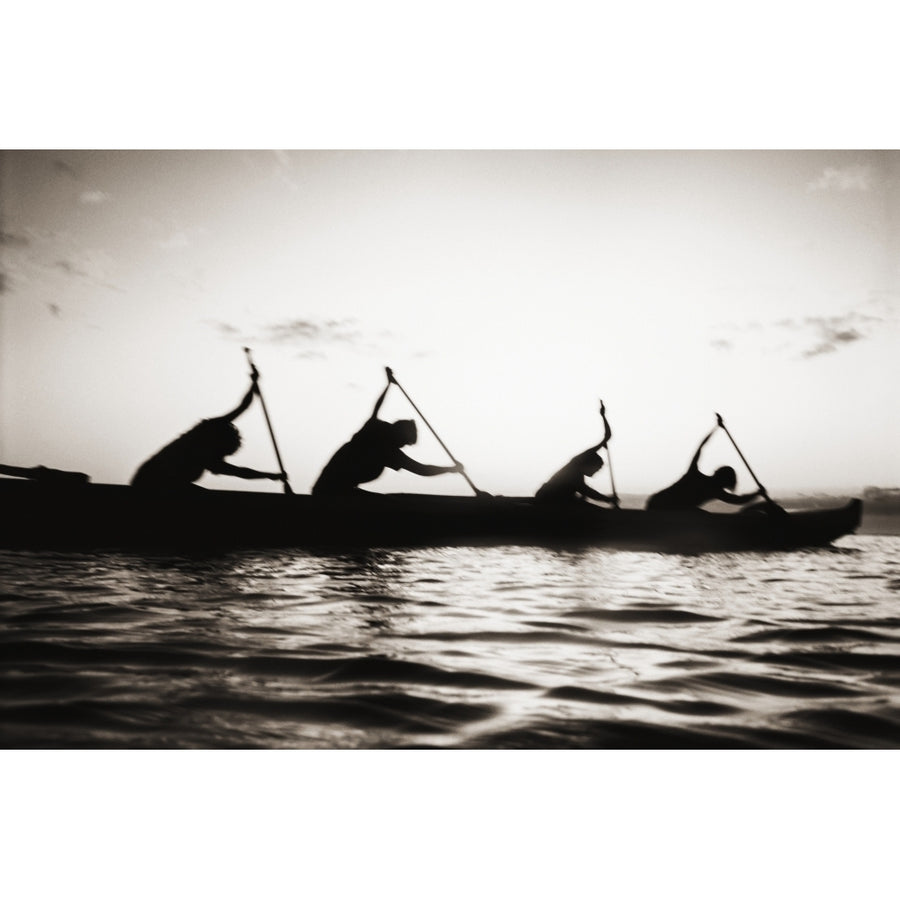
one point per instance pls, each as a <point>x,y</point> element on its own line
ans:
<point>262,402</point>
<point>436,435</point>
<point>612,481</point>
<point>741,455</point>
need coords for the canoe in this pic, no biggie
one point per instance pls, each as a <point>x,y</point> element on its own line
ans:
<point>80,515</point>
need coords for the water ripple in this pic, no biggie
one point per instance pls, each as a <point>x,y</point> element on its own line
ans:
<point>453,647</point>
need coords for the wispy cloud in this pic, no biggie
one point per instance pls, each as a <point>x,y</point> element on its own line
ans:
<point>52,262</point>
<point>228,331</point>
<point>93,198</point>
<point>806,337</point>
<point>309,337</point>
<point>833,332</point>
<point>847,178</point>
<point>42,252</point>
<point>301,331</point>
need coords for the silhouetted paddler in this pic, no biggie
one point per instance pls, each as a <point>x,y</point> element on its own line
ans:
<point>375,447</point>
<point>695,488</point>
<point>569,482</point>
<point>202,449</point>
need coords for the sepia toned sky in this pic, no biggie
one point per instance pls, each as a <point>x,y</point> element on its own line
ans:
<point>509,290</point>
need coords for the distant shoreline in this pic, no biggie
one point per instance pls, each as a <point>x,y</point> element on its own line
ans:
<point>879,523</point>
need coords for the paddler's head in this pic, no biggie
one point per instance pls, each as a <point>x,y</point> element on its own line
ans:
<point>589,462</point>
<point>405,432</point>
<point>725,477</point>
<point>219,437</point>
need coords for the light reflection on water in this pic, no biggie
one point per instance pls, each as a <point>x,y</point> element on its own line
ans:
<point>459,647</point>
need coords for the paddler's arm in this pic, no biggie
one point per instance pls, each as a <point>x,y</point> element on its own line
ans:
<point>607,431</point>
<point>738,499</point>
<point>226,468</point>
<point>696,460</point>
<point>380,400</point>
<point>248,398</point>
<point>588,491</point>
<point>402,461</point>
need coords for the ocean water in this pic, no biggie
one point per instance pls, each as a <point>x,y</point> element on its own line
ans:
<point>514,647</point>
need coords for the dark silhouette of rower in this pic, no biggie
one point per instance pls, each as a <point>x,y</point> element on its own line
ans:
<point>569,482</point>
<point>695,488</point>
<point>373,448</point>
<point>202,449</point>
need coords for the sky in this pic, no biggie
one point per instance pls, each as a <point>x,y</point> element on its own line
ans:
<point>508,290</point>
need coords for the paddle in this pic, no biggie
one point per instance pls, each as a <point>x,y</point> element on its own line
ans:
<point>612,481</point>
<point>253,369</point>
<point>764,492</point>
<point>462,471</point>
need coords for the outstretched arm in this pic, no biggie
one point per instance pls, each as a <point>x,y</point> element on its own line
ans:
<point>738,499</point>
<point>413,465</point>
<point>248,398</point>
<point>590,493</point>
<point>226,468</point>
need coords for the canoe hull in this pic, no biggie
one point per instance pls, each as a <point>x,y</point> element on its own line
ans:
<point>98,516</point>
